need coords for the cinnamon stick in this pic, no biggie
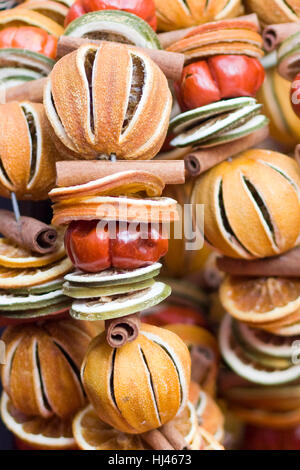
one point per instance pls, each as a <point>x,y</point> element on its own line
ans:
<point>199,161</point>
<point>289,67</point>
<point>72,173</point>
<point>167,437</point>
<point>28,233</point>
<point>170,63</point>
<point>166,39</point>
<point>120,331</point>
<point>29,91</point>
<point>286,265</point>
<point>274,34</point>
<point>173,436</point>
<point>156,440</point>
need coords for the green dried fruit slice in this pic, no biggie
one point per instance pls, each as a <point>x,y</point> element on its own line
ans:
<point>25,59</point>
<point>89,292</point>
<point>264,342</point>
<point>12,302</point>
<point>120,305</point>
<point>248,367</point>
<point>255,123</point>
<point>53,309</point>
<point>39,289</point>
<point>184,121</point>
<point>111,277</point>
<point>213,127</point>
<point>114,25</point>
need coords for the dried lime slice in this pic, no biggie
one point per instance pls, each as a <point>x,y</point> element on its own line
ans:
<point>88,292</point>
<point>246,365</point>
<point>114,25</point>
<point>49,310</point>
<point>120,305</point>
<point>215,126</point>
<point>265,342</point>
<point>12,302</point>
<point>111,277</point>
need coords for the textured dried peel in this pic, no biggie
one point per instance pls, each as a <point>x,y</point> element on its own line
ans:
<point>24,131</point>
<point>41,374</point>
<point>275,225</point>
<point>130,122</point>
<point>161,369</point>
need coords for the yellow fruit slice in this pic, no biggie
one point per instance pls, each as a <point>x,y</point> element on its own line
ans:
<point>23,17</point>
<point>14,256</point>
<point>91,433</point>
<point>11,278</point>
<point>37,432</point>
<point>260,300</point>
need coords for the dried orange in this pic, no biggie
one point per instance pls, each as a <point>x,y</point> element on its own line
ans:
<point>37,432</point>
<point>260,300</point>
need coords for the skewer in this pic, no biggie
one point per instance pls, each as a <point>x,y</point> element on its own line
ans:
<point>15,206</point>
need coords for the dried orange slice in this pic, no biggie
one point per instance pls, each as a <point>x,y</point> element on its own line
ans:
<point>37,432</point>
<point>156,209</point>
<point>260,300</point>
<point>53,10</point>
<point>123,183</point>
<point>14,256</point>
<point>91,433</point>
<point>11,278</point>
<point>23,17</point>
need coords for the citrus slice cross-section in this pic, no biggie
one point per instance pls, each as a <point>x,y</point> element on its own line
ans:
<point>15,278</point>
<point>120,305</point>
<point>260,300</point>
<point>39,433</point>
<point>13,256</point>
<point>93,434</point>
<point>255,368</point>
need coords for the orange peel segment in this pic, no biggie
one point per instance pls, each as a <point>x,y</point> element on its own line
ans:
<point>123,183</point>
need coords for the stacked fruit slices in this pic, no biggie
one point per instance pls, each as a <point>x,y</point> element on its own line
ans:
<point>259,341</point>
<point>31,285</point>
<point>219,82</point>
<point>116,264</point>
